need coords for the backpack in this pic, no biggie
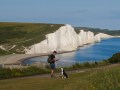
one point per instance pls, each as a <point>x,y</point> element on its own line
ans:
<point>49,59</point>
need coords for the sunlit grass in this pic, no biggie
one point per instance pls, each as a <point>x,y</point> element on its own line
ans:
<point>106,78</point>
<point>24,34</point>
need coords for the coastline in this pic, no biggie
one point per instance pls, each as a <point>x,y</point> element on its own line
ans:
<point>19,58</point>
<point>39,55</point>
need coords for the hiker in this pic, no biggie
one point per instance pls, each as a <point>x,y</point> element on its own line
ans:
<point>52,62</point>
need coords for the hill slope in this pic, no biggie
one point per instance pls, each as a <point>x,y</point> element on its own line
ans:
<point>104,78</point>
<point>15,36</point>
<point>98,30</point>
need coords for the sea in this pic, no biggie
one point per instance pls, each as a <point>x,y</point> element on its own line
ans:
<point>88,53</point>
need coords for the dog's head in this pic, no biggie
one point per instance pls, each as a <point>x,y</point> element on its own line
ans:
<point>62,69</point>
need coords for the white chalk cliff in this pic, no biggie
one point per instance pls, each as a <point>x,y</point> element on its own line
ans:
<point>65,39</point>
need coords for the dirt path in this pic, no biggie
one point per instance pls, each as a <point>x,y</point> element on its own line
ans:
<point>72,71</point>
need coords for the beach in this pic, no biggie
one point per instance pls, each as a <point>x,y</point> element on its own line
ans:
<point>19,58</point>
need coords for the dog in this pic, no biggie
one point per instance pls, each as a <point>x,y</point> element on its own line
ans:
<point>63,73</point>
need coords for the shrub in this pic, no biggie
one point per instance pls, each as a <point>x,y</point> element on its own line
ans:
<point>33,71</point>
<point>12,73</point>
<point>115,58</point>
<point>86,64</point>
<point>77,66</point>
<point>5,73</point>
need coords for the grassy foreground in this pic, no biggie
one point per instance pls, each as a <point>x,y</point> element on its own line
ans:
<point>105,78</point>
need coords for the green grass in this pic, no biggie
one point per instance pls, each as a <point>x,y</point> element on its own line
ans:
<point>24,34</point>
<point>2,52</point>
<point>17,32</point>
<point>6,73</point>
<point>106,78</point>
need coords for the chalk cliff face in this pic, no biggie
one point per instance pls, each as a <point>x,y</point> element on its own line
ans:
<point>103,36</point>
<point>65,39</point>
<point>90,37</point>
<point>100,36</point>
<point>38,48</point>
<point>97,38</point>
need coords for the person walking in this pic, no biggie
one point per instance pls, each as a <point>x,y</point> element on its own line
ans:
<point>52,62</point>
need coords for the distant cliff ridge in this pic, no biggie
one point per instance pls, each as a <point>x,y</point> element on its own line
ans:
<point>65,39</point>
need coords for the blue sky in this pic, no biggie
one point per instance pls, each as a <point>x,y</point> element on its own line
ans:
<point>103,14</point>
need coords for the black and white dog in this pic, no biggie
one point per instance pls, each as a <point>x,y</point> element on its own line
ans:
<point>63,73</point>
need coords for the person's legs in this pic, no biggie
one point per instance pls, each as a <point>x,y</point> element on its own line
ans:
<point>52,72</point>
<point>52,69</point>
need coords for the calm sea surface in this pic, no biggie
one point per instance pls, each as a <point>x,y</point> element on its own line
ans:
<point>89,53</point>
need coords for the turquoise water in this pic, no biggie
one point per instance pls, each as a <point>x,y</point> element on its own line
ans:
<point>89,53</point>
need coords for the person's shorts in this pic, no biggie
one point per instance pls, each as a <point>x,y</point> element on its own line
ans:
<point>52,65</point>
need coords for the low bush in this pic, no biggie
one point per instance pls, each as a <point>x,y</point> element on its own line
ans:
<point>115,58</point>
<point>12,73</point>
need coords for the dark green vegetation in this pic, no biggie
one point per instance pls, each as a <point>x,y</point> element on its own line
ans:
<point>98,30</point>
<point>105,78</point>
<point>11,73</point>
<point>2,52</point>
<point>24,34</point>
<point>115,58</point>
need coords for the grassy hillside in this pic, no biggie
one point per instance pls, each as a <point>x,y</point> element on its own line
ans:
<point>14,37</point>
<point>2,52</point>
<point>24,34</point>
<point>98,30</point>
<point>105,78</point>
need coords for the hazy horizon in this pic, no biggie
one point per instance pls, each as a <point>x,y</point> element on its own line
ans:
<point>104,14</point>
